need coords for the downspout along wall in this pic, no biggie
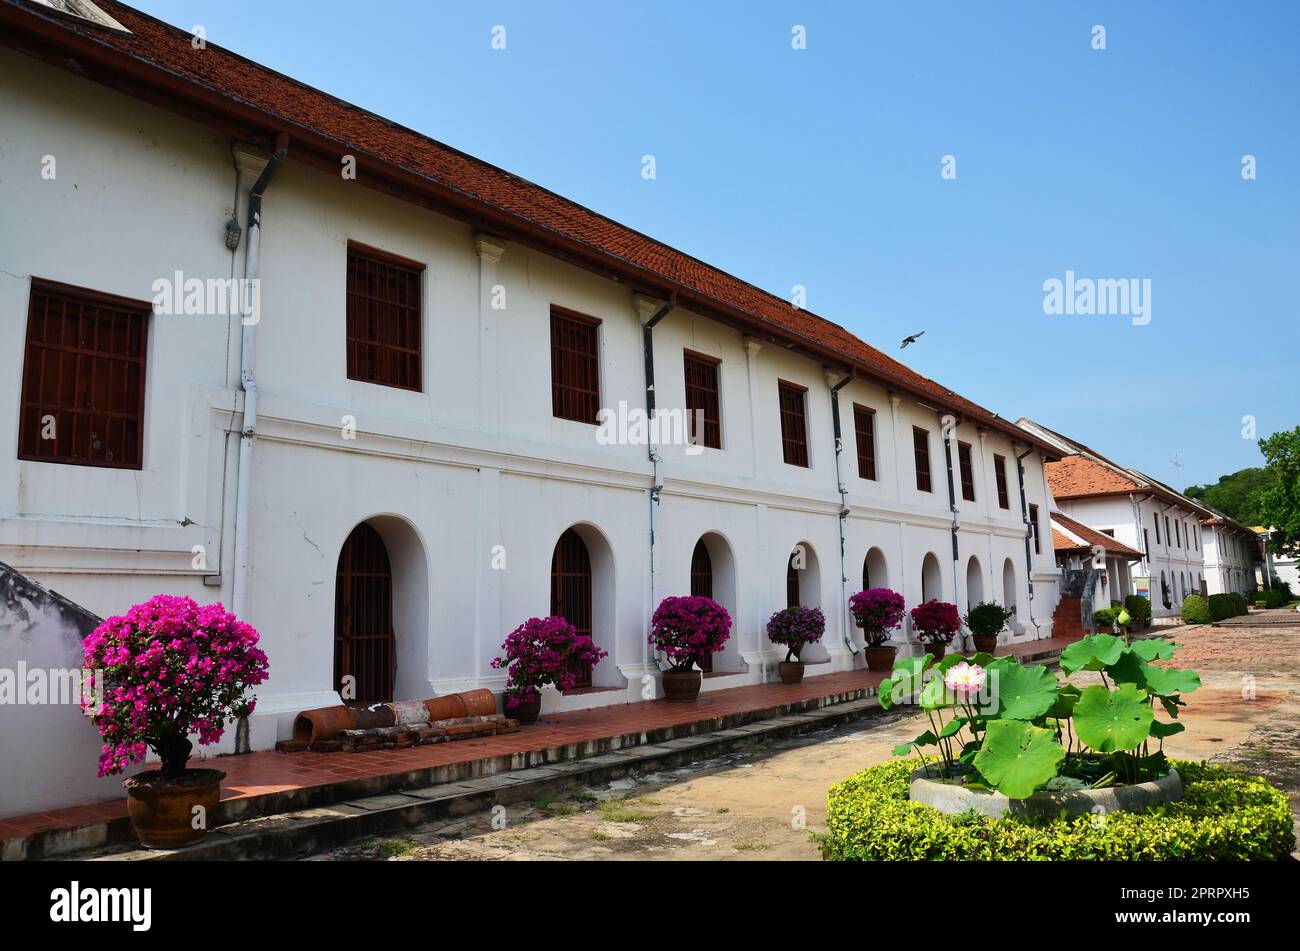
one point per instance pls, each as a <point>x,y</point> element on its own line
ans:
<point>656,483</point>
<point>844,511</point>
<point>1029,555</point>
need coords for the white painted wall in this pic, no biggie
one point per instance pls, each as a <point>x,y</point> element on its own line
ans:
<point>474,461</point>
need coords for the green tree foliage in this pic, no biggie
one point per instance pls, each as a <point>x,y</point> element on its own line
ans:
<point>1236,495</point>
<point>1280,502</point>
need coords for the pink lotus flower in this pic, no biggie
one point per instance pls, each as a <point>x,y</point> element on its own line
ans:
<point>964,679</point>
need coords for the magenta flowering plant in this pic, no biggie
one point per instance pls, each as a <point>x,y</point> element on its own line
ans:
<point>935,621</point>
<point>541,651</point>
<point>877,611</point>
<point>688,629</point>
<point>795,627</point>
<point>169,668</point>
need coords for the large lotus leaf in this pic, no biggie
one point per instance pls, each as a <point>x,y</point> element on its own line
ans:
<point>935,696</point>
<point>1167,681</point>
<point>925,739</point>
<point>1067,695</point>
<point>1093,652</point>
<point>1157,648</point>
<point>952,727</point>
<point>1129,669</point>
<point>982,659</point>
<point>1110,720</point>
<point>1171,704</point>
<point>1022,693</point>
<point>1160,729</point>
<point>949,661</point>
<point>1018,758</point>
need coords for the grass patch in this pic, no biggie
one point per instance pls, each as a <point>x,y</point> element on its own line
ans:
<point>393,848</point>
<point>614,810</point>
<point>752,846</point>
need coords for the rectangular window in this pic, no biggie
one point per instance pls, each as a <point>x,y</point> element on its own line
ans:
<point>702,400</point>
<point>921,454</point>
<point>794,427</point>
<point>967,471</point>
<point>1146,542</point>
<point>575,366</point>
<point>1168,537</point>
<point>384,322</point>
<point>83,378</point>
<point>1033,528</point>
<point>1000,472</point>
<point>1157,521</point>
<point>1178,534</point>
<point>864,425</point>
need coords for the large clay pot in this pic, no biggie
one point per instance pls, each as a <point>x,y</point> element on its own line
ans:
<point>527,712</point>
<point>935,650</point>
<point>165,812</point>
<point>985,643</point>
<point>881,659</point>
<point>791,671</point>
<point>682,686</point>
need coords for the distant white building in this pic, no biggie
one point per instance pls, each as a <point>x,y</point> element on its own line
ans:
<point>1186,546</point>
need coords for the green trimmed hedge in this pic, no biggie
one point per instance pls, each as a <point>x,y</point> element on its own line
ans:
<point>1222,607</point>
<point>1239,601</point>
<point>1223,815</point>
<point>1271,598</point>
<point>1195,610</point>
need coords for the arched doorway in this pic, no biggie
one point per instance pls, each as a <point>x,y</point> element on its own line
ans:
<point>702,586</point>
<point>571,587</point>
<point>802,577</point>
<point>875,570</point>
<point>974,583</point>
<point>931,578</point>
<point>363,619</point>
<point>1008,585</point>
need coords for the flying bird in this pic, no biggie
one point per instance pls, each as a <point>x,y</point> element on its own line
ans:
<point>911,340</point>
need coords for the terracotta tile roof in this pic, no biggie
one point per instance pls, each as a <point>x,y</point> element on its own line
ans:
<point>1070,534</point>
<point>155,57</point>
<point>1076,476</point>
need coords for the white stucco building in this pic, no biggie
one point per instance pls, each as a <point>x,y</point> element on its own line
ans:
<point>1186,546</point>
<point>397,462</point>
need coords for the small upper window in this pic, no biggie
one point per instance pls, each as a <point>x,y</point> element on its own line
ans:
<point>1033,528</point>
<point>702,403</point>
<point>967,471</point>
<point>864,426</point>
<point>83,378</point>
<point>794,425</point>
<point>384,318</point>
<point>921,455</point>
<point>1000,472</point>
<point>575,366</point>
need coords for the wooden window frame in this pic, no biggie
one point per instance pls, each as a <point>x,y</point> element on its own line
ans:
<point>866,440</point>
<point>384,351</point>
<point>66,413</point>
<point>575,401</point>
<point>1000,477</point>
<point>966,470</point>
<point>1033,528</point>
<point>573,580</point>
<point>921,459</point>
<point>794,440</point>
<point>711,403</point>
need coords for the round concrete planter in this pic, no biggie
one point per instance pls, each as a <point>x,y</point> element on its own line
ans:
<point>954,800</point>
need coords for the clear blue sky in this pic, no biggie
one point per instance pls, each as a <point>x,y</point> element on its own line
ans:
<point>821,167</point>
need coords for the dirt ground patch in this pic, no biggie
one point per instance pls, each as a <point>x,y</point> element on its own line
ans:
<point>767,801</point>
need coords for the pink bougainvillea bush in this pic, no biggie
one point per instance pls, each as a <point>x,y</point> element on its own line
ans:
<point>936,622</point>
<point>169,668</point>
<point>544,650</point>
<point>796,627</point>
<point>877,611</point>
<point>688,629</point>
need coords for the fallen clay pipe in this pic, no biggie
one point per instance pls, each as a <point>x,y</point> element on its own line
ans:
<point>321,729</point>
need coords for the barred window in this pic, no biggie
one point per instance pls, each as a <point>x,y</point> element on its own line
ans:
<point>575,366</point>
<point>921,455</point>
<point>967,471</point>
<point>702,400</point>
<point>384,323</point>
<point>1000,471</point>
<point>864,425</point>
<point>83,378</point>
<point>794,425</point>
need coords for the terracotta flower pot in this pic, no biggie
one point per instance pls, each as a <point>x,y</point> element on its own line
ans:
<point>936,649</point>
<point>881,659</point>
<point>526,712</point>
<point>791,671</point>
<point>682,686</point>
<point>165,812</point>
<point>985,643</point>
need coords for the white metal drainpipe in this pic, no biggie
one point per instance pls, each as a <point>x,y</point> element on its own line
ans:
<point>1029,556</point>
<point>843,515</point>
<point>248,337</point>
<point>656,486</point>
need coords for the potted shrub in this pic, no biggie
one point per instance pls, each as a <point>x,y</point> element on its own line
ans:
<point>686,630</point>
<point>170,669</point>
<point>985,622</point>
<point>1139,608</point>
<point>878,611</point>
<point>1104,620</point>
<point>794,628</point>
<point>936,623</point>
<point>541,651</point>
